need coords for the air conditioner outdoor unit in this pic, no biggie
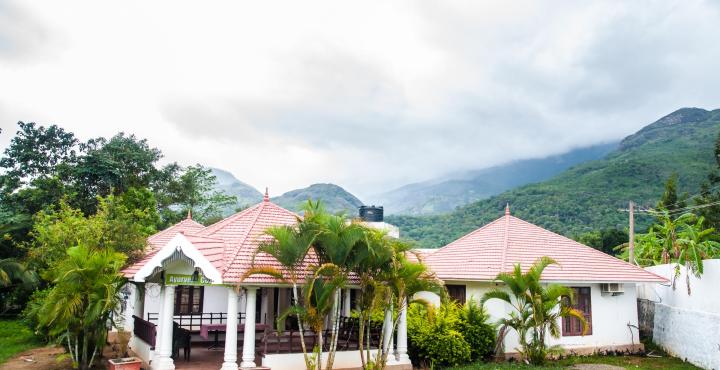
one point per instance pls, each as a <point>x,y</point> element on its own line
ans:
<point>612,288</point>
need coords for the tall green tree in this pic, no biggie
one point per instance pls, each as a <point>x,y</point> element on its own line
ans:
<point>35,152</point>
<point>670,200</point>
<point>33,167</point>
<point>112,167</point>
<point>537,309</point>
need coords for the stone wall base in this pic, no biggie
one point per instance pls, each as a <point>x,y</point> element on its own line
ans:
<point>627,349</point>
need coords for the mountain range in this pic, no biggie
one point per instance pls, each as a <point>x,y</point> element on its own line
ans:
<point>590,196</point>
<point>335,198</point>
<point>579,191</point>
<point>446,193</point>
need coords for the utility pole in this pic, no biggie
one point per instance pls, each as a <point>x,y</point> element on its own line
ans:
<point>631,232</point>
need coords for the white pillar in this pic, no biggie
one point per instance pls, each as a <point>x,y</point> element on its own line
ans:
<point>139,309</point>
<point>230,356</point>
<point>347,304</point>
<point>388,336</point>
<point>248,355</point>
<point>402,346</point>
<point>163,361</point>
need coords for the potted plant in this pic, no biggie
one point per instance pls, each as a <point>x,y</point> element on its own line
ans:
<point>123,361</point>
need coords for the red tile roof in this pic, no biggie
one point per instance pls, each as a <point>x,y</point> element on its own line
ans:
<point>499,245</point>
<point>479,256</point>
<point>230,243</point>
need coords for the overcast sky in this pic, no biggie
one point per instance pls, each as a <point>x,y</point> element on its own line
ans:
<point>368,95</point>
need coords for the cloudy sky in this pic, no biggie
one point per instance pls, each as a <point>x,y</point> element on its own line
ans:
<point>368,95</point>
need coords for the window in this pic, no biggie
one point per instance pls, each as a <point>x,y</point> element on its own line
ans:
<point>571,326</point>
<point>456,293</point>
<point>188,299</point>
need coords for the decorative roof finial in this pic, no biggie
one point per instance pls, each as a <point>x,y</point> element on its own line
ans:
<point>507,209</point>
<point>189,216</point>
<point>266,198</point>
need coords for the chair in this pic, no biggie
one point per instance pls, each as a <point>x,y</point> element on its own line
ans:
<point>181,339</point>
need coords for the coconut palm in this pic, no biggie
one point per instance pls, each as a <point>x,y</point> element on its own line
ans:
<point>537,309</point>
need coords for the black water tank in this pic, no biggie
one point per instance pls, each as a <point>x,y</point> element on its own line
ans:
<point>371,213</point>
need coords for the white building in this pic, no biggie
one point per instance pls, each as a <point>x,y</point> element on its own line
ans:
<point>192,276</point>
<point>605,287</point>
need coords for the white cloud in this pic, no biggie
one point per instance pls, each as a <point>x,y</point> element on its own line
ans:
<point>366,95</point>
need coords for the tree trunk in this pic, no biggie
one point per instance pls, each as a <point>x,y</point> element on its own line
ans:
<point>300,328</point>
<point>334,336</point>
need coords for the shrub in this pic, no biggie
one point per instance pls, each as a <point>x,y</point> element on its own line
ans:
<point>434,338</point>
<point>472,324</point>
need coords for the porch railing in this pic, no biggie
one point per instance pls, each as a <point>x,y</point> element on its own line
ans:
<point>193,321</point>
<point>145,330</point>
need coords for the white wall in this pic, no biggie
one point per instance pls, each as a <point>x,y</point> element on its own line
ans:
<point>688,326</point>
<point>343,360</point>
<point>610,317</point>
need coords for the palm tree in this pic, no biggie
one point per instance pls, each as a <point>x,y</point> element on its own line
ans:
<point>289,245</point>
<point>403,279</point>
<point>336,247</point>
<point>537,309</point>
<point>14,271</point>
<point>80,304</point>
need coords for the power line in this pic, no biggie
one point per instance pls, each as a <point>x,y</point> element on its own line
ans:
<point>656,212</point>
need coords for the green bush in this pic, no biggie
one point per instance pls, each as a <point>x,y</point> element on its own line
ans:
<point>434,338</point>
<point>473,325</point>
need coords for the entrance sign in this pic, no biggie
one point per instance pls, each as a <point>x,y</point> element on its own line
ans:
<point>181,279</point>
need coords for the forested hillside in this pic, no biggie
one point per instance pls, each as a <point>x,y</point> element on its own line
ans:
<point>588,196</point>
<point>458,189</point>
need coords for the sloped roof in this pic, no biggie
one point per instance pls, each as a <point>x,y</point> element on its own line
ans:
<point>230,243</point>
<point>187,226</point>
<point>499,245</point>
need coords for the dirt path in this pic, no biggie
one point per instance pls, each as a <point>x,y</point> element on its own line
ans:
<point>43,358</point>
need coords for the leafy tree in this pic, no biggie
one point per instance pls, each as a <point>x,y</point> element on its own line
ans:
<point>112,167</point>
<point>191,189</point>
<point>79,306</point>
<point>36,151</point>
<point>33,167</point>
<point>604,240</point>
<point>115,227</point>
<point>537,309</point>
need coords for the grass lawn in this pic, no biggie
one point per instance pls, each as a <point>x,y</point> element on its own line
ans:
<point>14,338</point>
<point>628,362</point>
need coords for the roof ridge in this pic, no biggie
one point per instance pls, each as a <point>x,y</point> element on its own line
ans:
<point>505,242</point>
<point>468,234</point>
<point>212,228</point>
<point>240,241</point>
<point>591,249</point>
